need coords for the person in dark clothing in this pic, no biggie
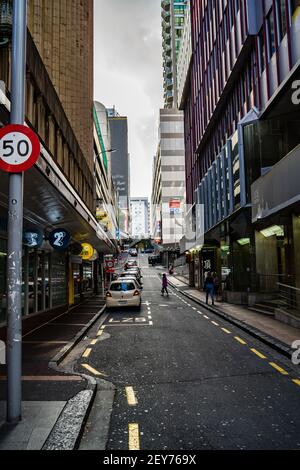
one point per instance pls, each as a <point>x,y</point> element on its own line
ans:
<point>216,286</point>
<point>164,285</point>
<point>209,287</point>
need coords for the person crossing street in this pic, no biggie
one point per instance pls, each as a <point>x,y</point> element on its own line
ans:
<point>164,285</point>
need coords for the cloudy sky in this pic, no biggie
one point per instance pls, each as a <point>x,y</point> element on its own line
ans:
<point>128,74</point>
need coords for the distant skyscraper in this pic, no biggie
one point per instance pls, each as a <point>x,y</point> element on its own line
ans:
<point>173,12</point>
<point>139,213</point>
<point>120,164</point>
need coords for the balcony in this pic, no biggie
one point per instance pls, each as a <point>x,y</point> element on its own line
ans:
<point>166,26</point>
<point>5,21</point>
<point>166,15</point>
<point>167,61</point>
<point>165,4</point>
<point>169,84</point>
<point>167,50</point>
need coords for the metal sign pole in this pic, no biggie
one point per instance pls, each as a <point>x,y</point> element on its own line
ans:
<point>15,222</point>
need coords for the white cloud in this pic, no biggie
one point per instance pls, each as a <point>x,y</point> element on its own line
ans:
<point>128,74</point>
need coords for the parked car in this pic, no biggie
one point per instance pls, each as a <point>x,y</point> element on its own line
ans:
<point>135,271</point>
<point>133,252</point>
<point>130,264</point>
<point>123,293</point>
<point>131,277</point>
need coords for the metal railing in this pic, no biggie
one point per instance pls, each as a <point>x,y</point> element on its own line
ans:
<point>289,298</point>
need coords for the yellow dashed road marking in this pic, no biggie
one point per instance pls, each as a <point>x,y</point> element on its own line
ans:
<point>297,382</point>
<point>87,352</point>
<point>133,436</point>
<point>93,371</point>
<point>215,323</point>
<point>131,398</point>
<point>93,342</point>
<point>226,331</point>
<point>275,366</point>
<point>240,340</point>
<point>258,353</point>
<point>205,316</point>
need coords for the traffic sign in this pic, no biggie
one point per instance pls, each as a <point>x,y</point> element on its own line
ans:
<point>19,148</point>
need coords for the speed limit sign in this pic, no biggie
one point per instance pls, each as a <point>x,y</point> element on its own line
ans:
<point>19,148</point>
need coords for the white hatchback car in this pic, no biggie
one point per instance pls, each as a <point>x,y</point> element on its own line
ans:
<point>123,293</point>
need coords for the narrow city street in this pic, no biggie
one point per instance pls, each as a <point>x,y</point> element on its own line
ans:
<point>186,379</point>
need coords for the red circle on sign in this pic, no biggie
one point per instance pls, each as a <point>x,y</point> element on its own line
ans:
<point>35,149</point>
<point>110,264</point>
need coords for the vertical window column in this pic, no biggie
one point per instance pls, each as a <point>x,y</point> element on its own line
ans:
<point>224,185</point>
<point>210,202</point>
<point>219,177</point>
<point>230,176</point>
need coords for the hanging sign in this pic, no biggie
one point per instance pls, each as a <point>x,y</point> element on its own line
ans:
<point>75,249</point>
<point>87,251</point>
<point>60,239</point>
<point>33,238</point>
<point>95,256</point>
<point>19,148</point>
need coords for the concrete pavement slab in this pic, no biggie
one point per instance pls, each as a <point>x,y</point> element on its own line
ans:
<point>38,419</point>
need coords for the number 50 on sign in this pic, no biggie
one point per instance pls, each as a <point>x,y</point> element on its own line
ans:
<point>19,148</point>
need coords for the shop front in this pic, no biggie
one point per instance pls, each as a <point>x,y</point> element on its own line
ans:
<point>44,284</point>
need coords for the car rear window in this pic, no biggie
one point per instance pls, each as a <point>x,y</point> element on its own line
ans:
<point>122,287</point>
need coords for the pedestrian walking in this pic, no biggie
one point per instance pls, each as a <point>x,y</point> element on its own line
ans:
<point>209,288</point>
<point>216,285</point>
<point>164,288</point>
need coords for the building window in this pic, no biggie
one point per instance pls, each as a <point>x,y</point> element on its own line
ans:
<point>271,34</point>
<point>261,51</point>
<point>282,19</point>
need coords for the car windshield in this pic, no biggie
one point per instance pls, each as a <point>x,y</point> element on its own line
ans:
<point>122,287</point>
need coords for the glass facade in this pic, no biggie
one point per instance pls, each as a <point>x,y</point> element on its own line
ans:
<point>45,283</point>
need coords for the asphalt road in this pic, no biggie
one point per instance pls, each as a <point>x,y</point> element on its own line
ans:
<point>195,381</point>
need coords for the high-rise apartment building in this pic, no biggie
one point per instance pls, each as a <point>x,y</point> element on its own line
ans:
<point>173,12</point>
<point>139,217</point>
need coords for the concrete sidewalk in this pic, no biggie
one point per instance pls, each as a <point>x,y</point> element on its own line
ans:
<point>51,395</point>
<point>266,325</point>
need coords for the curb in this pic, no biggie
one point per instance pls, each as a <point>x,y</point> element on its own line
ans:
<point>274,343</point>
<point>62,354</point>
<point>68,429</point>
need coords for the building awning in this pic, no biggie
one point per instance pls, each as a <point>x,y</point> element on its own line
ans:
<point>50,202</point>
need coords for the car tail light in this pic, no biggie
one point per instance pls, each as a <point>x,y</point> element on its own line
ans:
<point>108,294</point>
<point>136,293</point>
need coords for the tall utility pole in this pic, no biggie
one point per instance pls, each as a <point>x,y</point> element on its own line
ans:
<point>15,222</point>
